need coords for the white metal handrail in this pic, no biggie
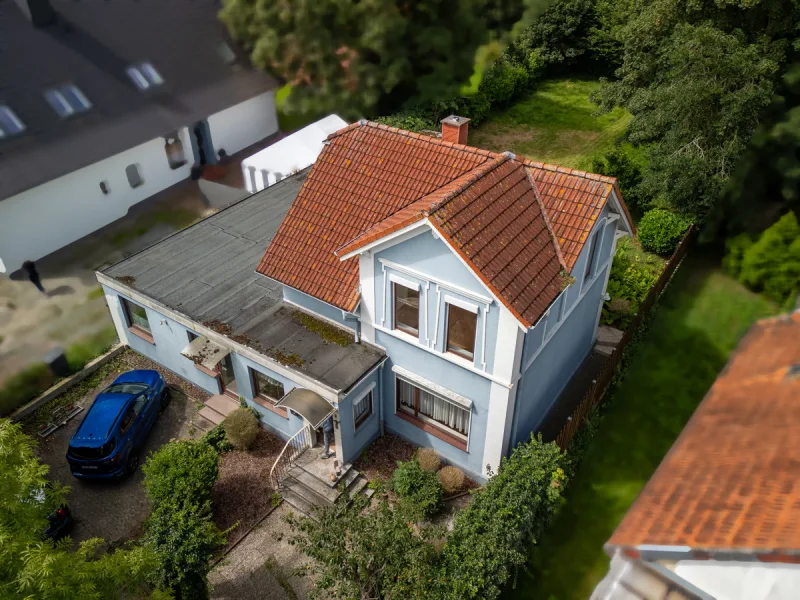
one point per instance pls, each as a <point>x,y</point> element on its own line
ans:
<point>296,445</point>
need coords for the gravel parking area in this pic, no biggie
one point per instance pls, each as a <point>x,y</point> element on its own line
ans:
<point>262,565</point>
<point>115,511</point>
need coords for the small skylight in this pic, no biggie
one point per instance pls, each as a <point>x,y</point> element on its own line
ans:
<point>67,100</point>
<point>9,122</point>
<point>144,76</point>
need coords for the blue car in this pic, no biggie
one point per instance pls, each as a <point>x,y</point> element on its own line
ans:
<point>114,429</point>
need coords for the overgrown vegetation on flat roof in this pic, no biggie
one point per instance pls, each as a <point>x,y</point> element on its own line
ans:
<point>329,333</point>
<point>289,359</point>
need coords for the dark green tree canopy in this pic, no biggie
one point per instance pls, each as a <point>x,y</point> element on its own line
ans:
<point>366,57</point>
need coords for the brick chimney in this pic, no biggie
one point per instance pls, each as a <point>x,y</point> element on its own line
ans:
<point>38,12</point>
<point>455,129</point>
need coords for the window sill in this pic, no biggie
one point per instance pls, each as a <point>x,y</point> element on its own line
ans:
<point>145,335</point>
<point>458,359</point>
<point>265,403</point>
<point>434,431</point>
<point>208,372</point>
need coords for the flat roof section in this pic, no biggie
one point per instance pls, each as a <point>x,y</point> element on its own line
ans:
<point>207,272</point>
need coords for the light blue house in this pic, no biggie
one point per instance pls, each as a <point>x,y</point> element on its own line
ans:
<point>405,283</point>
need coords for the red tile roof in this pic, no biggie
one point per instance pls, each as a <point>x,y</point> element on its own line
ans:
<point>371,180</point>
<point>732,479</point>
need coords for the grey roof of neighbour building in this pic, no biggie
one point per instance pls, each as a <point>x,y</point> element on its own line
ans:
<point>207,273</point>
<point>90,45</point>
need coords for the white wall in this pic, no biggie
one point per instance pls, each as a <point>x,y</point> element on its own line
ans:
<point>244,124</point>
<point>43,219</point>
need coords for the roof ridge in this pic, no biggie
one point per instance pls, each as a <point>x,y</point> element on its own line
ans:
<point>547,223</point>
<point>469,177</point>
<point>567,171</point>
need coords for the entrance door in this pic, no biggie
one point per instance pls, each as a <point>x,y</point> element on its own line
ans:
<point>227,379</point>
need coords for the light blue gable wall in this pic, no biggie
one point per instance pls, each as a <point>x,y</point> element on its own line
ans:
<point>285,427</point>
<point>433,259</point>
<point>318,306</point>
<point>170,338</point>
<point>354,441</point>
<point>566,344</point>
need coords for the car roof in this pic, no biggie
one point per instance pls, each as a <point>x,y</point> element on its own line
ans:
<point>146,376</point>
<point>100,419</point>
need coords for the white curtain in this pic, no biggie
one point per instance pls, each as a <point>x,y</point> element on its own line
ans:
<point>407,394</point>
<point>360,407</point>
<point>444,412</point>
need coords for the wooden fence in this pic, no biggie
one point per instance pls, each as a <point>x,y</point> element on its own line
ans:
<point>600,384</point>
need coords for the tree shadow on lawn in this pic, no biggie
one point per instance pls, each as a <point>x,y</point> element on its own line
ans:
<point>675,365</point>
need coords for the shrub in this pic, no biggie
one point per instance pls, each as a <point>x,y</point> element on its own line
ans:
<point>419,490</point>
<point>428,459</point>
<point>217,439</point>
<point>661,231</point>
<point>735,249</point>
<point>618,163</point>
<point>772,264</point>
<point>25,386</point>
<point>451,478</point>
<point>633,274</point>
<point>242,428</point>
<point>491,536</point>
<point>181,469</point>
<point>503,82</point>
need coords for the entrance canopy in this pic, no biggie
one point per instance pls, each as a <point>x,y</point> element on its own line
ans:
<point>204,352</point>
<point>310,405</point>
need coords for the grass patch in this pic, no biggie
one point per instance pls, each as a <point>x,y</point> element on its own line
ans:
<point>176,218</point>
<point>95,293</point>
<point>556,123</point>
<point>83,351</point>
<point>291,120</point>
<point>326,331</point>
<point>701,320</point>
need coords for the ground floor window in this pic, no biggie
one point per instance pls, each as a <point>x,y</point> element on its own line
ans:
<point>362,409</point>
<point>433,409</point>
<point>266,387</point>
<point>136,315</point>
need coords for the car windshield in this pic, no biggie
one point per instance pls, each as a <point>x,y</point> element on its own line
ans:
<point>125,388</point>
<point>96,453</point>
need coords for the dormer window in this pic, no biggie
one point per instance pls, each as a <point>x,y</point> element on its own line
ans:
<point>144,76</point>
<point>67,100</point>
<point>406,309</point>
<point>9,122</point>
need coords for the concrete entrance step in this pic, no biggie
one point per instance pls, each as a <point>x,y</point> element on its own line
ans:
<point>322,469</point>
<point>314,484</point>
<point>298,501</point>
<point>223,404</point>
<point>212,415</point>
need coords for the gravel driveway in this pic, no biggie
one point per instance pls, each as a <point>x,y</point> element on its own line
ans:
<point>115,511</point>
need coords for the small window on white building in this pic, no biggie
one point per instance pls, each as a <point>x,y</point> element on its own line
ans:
<point>174,149</point>
<point>10,123</point>
<point>144,75</point>
<point>134,176</point>
<point>67,100</point>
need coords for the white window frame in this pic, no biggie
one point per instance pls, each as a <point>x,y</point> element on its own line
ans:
<point>359,398</point>
<point>469,307</point>
<point>144,75</point>
<point>56,94</point>
<point>397,280</point>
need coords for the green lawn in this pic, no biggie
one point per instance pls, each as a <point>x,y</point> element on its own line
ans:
<point>556,124</point>
<point>702,318</point>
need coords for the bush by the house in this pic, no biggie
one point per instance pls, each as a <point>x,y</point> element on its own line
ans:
<point>772,264</point>
<point>451,478</point>
<point>178,480</point>
<point>360,551</point>
<point>242,428</point>
<point>618,163</point>
<point>217,439</point>
<point>633,274</point>
<point>491,536</point>
<point>661,231</point>
<point>428,459</point>
<point>416,487</point>
<point>735,249</point>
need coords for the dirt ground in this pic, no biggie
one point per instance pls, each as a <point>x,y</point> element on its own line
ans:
<point>115,511</point>
<point>262,565</point>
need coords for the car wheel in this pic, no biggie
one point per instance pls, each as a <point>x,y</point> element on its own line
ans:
<point>165,396</point>
<point>133,462</point>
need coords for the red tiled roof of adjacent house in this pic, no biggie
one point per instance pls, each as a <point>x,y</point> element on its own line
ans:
<point>573,200</point>
<point>371,180</point>
<point>731,482</point>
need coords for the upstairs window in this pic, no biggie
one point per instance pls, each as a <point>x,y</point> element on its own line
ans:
<point>67,100</point>
<point>406,309</point>
<point>590,259</point>
<point>9,122</point>
<point>144,76</point>
<point>461,326</point>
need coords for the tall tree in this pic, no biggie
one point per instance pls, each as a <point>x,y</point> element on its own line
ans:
<point>34,568</point>
<point>697,76</point>
<point>361,57</point>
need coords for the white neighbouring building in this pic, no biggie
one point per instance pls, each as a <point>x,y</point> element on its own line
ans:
<point>106,104</point>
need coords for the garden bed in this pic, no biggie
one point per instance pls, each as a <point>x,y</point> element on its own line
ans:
<point>377,462</point>
<point>242,493</point>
